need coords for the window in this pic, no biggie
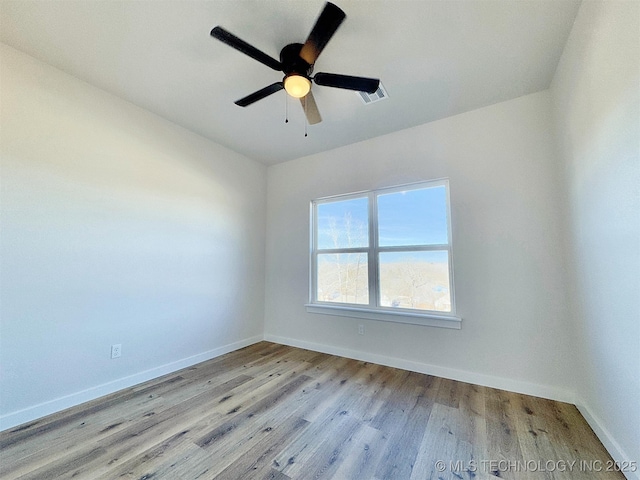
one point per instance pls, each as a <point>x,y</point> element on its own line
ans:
<point>384,254</point>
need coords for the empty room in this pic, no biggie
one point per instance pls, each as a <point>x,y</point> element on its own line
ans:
<point>299,239</point>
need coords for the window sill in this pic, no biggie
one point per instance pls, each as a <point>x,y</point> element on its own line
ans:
<point>427,319</point>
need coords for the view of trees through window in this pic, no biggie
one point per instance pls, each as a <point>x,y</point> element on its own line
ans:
<point>404,258</point>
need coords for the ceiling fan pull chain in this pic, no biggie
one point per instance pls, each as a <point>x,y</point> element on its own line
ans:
<point>286,109</point>
<point>305,115</point>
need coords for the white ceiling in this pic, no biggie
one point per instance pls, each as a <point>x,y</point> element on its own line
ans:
<point>435,58</point>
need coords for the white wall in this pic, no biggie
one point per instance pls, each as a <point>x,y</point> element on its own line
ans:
<point>596,92</point>
<point>117,227</point>
<point>508,259</point>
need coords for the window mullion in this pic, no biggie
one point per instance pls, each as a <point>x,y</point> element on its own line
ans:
<point>374,300</point>
<point>413,248</point>
<point>343,250</point>
<point>313,267</point>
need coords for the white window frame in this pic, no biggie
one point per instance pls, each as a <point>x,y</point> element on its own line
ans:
<point>374,311</point>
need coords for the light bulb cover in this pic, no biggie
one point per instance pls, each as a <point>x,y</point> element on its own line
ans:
<point>297,86</point>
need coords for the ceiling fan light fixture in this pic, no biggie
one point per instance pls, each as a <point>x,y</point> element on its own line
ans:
<point>297,86</point>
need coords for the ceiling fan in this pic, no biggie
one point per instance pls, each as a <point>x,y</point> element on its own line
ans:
<point>297,61</point>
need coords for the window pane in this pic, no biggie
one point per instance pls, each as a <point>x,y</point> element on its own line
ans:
<point>414,217</point>
<point>343,278</point>
<point>343,224</point>
<point>418,280</point>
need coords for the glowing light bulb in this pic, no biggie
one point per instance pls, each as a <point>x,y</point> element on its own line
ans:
<point>297,86</point>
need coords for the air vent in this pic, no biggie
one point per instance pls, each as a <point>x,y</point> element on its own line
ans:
<point>376,96</point>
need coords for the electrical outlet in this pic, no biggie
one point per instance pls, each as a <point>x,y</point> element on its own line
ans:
<point>360,329</point>
<point>116,350</point>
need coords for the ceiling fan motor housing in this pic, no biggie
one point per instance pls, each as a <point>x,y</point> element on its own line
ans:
<point>292,63</point>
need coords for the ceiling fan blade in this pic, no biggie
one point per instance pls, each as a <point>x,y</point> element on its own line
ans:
<point>361,84</point>
<point>242,46</point>
<point>310,109</point>
<point>326,25</point>
<point>260,94</point>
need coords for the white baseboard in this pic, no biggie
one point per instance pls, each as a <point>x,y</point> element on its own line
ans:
<point>29,414</point>
<point>613,447</point>
<point>544,391</point>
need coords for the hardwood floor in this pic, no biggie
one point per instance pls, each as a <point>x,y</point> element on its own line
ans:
<point>275,412</point>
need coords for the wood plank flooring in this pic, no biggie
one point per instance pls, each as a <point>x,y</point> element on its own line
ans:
<point>270,411</point>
